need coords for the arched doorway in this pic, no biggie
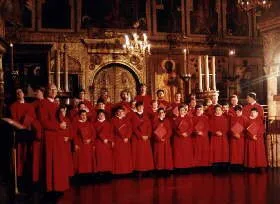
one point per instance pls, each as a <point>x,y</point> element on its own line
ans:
<point>115,78</point>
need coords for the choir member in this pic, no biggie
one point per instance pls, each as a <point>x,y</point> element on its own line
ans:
<point>233,99</point>
<point>91,114</point>
<point>122,151</point>
<point>182,143</point>
<point>84,136</point>
<point>252,103</point>
<point>173,108</point>
<point>125,103</point>
<point>200,138</point>
<point>211,108</point>
<point>37,149</point>
<point>24,113</point>
<point>104,143</point>
<point>162,103</point>
<point>238,124</point>
<point>192,105</point>
<point>55,177</point>
<point>255,156</point>
<point>67,134</point>
<point>143,97</point>
<point>141,145</point>
<point>153,110</point>
<point>57,100</point>
<point>225,109</point>
<point>219,150</point>
<point>82,98</point>
<point>100,105</point>
<point>74,112</point>
<point>162,132</point>
<point>133,106</point>
<point>206,104</point>
<point>106,98</point>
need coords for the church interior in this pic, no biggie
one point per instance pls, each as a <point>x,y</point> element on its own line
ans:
<point>196,48</point>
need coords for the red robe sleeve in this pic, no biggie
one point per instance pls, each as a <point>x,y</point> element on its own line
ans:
<point>47,112</point>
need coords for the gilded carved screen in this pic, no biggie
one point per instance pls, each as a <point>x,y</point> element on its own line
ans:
<point>114,78</point>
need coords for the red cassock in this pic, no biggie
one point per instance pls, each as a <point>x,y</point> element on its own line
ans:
<point>24,113</point>
<point>210,110</point>
<point>173,110</point>
<point>247,110</point>
<point>37,148</point>
<point>55,156</point>
<point>231,111</point>
<point>183,146</point>
<point>162,132</point>
<point>147,100</point>
<point>236,144</point>
<point>255,156</point>
<point>151,113</point>
<point>122,153</point>
<point>142,150</point>
<point>84,136</point>
<point>219,149</point>
<point>67,133</point>
<point>163,103</point>
<point>201,142</point>
<point>126,106</point>
<point>104,151</point>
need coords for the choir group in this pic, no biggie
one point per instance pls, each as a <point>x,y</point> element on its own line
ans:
<point>139,135</point>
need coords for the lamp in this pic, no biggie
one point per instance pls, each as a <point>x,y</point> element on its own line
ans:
<point>136,44</point>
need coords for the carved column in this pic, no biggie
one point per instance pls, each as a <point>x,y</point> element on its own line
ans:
<point>2,51</point>
<point>66,86</point>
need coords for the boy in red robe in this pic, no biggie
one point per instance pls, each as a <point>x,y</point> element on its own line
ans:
<point>238,124</point>
<point>104,143</point>
<point>255,156</point>
<point>122,153</point>
<point>84,139</point>
<point>174,107</point>
<point>211,108</point>
<point>200,138</point>
<point>182,143</point>
<point>141,145</point>
<point>233,99</point>
<point>219,150</point>
<point>143,97</point>
<point>162,131</point>
<point>56,178</point>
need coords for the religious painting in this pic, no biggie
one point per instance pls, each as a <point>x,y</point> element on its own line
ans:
<point>114,14</point>
<point>204,17</point>
<point>237,20</point>
<point>169,16</point>
<point>115,79</point>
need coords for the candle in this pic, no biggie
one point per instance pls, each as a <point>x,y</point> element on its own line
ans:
<point>200,74</point>
<point>206,73</point>
<point>185,62</point>
<point>12,56</point>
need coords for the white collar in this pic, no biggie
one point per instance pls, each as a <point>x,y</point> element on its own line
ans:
<point>50,99</point>
<point>140,113</point>
<point>81,121</point>
<point>253,103</point>
<point>21,101</point>
<point>101,120</point>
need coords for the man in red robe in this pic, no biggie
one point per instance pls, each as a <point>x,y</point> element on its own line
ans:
<point>82,98</point>
<point>162,103</point>
<point>255,156</point>
<point>182,143</point>
<point>143,97</point>
<point>124,103</point>
<point>152,111</point>
<point>173,108</point>
<point>55,167</point>
<point>37,148</point>
<point>252,103</point>
<point>106,98</point>
<point>141,146</point>
<point>24,113</point>
<point>192,105</point>
<point>211,108</point>
<point>122,151</point>
<point>233,99</point>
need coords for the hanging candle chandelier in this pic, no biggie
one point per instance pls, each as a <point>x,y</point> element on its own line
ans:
<point>248,5</point>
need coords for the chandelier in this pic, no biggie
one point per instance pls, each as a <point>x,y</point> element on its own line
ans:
<point>247,5</point>
<point>136,45</point>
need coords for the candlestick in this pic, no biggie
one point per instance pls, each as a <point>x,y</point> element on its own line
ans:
<point>200,74</point>
<point>206,73</point>
<point>214,73</point>
<point>185,61</point>
<point>12,56</point>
